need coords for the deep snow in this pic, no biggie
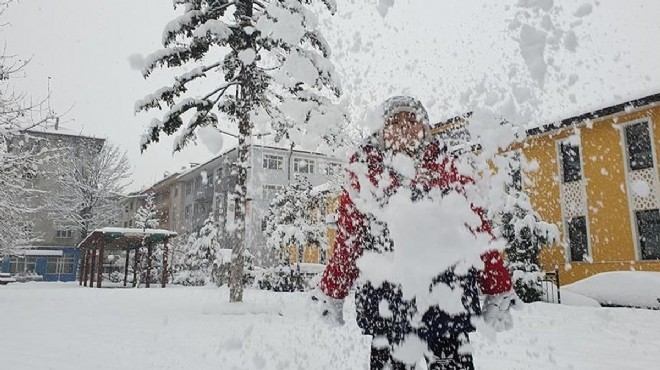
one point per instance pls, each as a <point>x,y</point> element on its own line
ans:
<point>62,326</point>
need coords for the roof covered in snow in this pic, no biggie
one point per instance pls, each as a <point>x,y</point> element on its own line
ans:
<point>124,238</point>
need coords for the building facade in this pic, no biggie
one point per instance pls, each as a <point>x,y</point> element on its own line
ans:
<point>597,180</point>
<point>207,190</point>
<point>52,253</point>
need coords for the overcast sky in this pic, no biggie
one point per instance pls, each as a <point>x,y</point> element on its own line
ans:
<point>433,49</point>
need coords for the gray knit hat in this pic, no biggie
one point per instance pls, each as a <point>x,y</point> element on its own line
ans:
<point>399,104</point>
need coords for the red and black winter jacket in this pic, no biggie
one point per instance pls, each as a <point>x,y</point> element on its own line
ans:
<point>435,170</point>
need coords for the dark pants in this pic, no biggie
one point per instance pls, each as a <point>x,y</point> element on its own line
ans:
<point>446,356</point>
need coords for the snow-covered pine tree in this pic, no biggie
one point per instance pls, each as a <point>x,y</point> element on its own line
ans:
<point>265,61</point>
<point>292,221</point>
<point>525,234</point>
<point>201,252</point>
<point>147,216</point>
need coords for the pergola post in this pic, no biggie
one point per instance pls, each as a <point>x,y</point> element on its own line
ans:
<point>81,266</point>
<point>87,262</point>
<point>128,255</point>
<point>148,282</point>
<point>99,267</point>
<point>93,269</point>
<point>135,266</point>
<point>163,275</point>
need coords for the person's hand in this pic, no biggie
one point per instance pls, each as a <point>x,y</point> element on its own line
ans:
<point>496,311</point>
<point>330,309</point>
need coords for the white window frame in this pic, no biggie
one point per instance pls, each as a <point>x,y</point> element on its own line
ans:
<point>274,188</point>
<point>310,162</point>
<point>268,158</point>
<point>66,233</point>
<point>336,168</point>
<point>564,218</point>
<point>626,164</point>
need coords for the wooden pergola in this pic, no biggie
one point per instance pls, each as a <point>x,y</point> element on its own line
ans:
<point>97,243</point>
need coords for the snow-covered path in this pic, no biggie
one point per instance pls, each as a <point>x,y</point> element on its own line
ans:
<point>62,326</point>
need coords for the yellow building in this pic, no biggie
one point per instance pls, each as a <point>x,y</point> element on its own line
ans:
<point>597,180</point>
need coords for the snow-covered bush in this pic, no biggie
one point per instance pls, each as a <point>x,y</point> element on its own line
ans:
<point>293,220</point>
<point>525,234</point>
<point>200,254</point>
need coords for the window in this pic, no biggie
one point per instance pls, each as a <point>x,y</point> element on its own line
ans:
<point>648,230</point>
<point>27,264</point>
<point>59,265</point>
<point>638,143</point>
<point>218,173</point>
<point>209,179</point>
<point>270,191</point>
<point>27,228</point>
<point>578,238</point>
<point>515,171</point>
<point>187,212</point>
<point>303,165</point>
<point>176,191</point>
<point>332,169</point>
<point>188,187</point>
<point>198,183</point>
<point>273,162</point>
<point>570,162</point>
<point>264,224</point>
<point>63,233</point>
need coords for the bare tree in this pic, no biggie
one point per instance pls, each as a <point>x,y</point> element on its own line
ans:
<point>89,186</point>
<point>20,159</point>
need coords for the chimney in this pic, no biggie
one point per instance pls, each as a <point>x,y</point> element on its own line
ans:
<point>57,123</point>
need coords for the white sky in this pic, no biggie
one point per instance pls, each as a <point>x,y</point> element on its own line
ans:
<point>432,49</point>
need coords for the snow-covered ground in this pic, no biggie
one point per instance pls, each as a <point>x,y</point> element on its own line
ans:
<point>62,326</point>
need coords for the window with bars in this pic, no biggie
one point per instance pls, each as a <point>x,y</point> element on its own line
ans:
<point>332,169</point>
<point>303,165</point>
<point>218,173</point>
<point>638,145</point>
<point>63,233</point>
<point>27,264</point>
<point>578,238</point>
<point>270,191</point>
<point>273,162</point>
<point>59,265</point>
<point>570,162</point>
<point>648,232</point>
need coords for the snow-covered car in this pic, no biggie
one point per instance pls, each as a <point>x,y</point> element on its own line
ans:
<point>24,277</point>
<point>6,278</point>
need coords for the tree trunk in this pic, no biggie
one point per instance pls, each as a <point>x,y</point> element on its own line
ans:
<point>246,99</point>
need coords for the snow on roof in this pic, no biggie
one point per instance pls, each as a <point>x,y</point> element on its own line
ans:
<point>311,268</point>
<point>135,231</point>
<point>325,187</point>
<point>621,288</point>
<point>40,252</point>
<point>51,130</point>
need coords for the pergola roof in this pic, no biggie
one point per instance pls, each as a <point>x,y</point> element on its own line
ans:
<point>124,238</point>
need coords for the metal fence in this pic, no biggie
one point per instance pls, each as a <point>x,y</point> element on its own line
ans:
<point>551,287</point>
